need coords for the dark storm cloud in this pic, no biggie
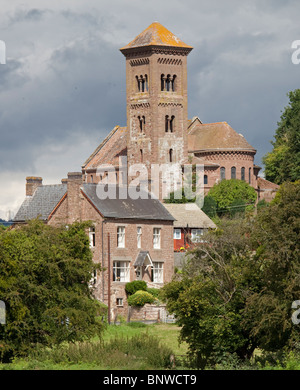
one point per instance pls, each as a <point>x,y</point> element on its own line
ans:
<point>63,86</point>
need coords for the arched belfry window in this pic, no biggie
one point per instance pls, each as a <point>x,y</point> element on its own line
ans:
<point>167,83</point>
<point>141,155</point>
<point>172,123</point>
<point>233,172</point>
<point>171,155</point>
<point>162,82</point>
<point>222,173</point>
<point>173,83</point>
<point>142,83</point>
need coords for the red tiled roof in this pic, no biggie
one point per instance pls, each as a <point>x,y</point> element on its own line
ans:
<point>215,136</point>
<point>264,184</point>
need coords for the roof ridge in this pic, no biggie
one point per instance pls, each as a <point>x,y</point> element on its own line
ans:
<point>106,139</point>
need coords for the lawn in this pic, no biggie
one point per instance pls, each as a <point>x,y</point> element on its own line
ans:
<point>166,336</point>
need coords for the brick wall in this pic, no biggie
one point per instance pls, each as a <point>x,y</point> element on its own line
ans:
<point>130,253</point>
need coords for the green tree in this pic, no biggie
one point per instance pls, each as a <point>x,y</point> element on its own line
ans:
<point>210,294</point>
<point>283,162</point>
<point>230,194</point>
<point>236,291</point>
<point>44,282</point>
<point>277,239</point>
<point>209,206</point>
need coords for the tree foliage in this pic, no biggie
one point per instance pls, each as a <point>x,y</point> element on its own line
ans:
<point>44,282</point>
<point>209,206</point>
<point>236,291</point>
<point>231,195</point>
<point>283,162</point>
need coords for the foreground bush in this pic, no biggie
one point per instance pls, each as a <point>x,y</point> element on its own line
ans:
<point>139,352</point>
<point>136,285</point>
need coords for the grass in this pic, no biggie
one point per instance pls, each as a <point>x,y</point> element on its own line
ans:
<point>133,346</point>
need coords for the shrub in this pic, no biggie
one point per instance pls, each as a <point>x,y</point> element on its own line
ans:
<point>154,292</point>
<point>137,285</point>
<point>140,298</point>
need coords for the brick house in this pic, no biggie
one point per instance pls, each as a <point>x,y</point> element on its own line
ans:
<point>131,239</point>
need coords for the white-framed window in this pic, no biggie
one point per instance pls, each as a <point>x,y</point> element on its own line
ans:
<point>92,237</point>
<point>196,235</point>
<point>177,234</point>
<point>121,271</point>
<point>157,272</point>
<point>139,237</point>
<point>121,236</point>
<point>156,238</point>
<point>119,301</point>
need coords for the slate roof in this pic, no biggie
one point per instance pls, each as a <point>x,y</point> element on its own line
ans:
<point>156,35</point>
<point>42,203</point>
<point>189,214</point>
<point>218,136</point>
<point>128,208</point>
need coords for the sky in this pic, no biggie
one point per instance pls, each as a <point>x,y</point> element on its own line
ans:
<point>62,87</point>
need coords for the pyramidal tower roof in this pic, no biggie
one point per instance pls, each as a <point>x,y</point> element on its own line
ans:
<point>156,35</point>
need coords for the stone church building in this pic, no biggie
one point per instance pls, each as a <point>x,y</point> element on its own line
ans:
<point>133,238</point>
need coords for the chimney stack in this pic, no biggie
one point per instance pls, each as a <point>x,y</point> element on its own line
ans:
<point>32,183</point>
<point>74,204</point>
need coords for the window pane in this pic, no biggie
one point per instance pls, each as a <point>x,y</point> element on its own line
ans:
<point>222,170</point>
<point>233,172</point>
<point>157,272</point>
<point>92,237</point>
<point>156,238</point>
<point>121,271</point>
<point>139,237</point>
<point>177,234</point>
<point>121,237</point>
<point>195,235</point>
<point>242,173</point>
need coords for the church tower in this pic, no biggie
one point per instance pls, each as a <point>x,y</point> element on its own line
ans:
<point>156,88</point>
